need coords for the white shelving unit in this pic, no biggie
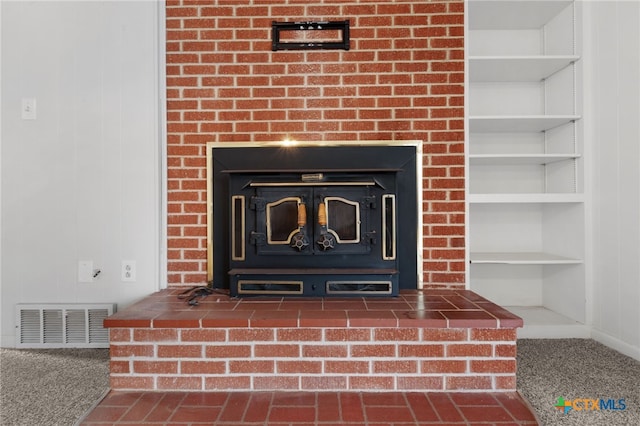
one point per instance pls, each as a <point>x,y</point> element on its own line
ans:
<point>526,196</point>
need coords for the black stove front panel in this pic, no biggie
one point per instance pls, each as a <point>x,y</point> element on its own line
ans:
<point>299,235</point>
<point>314,220</point>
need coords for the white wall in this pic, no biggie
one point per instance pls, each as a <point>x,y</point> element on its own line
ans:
<point>82,181</point>
<point>613,117</point>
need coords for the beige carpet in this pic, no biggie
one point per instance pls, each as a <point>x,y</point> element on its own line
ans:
<point>51,386</point>
<point>578,369</point>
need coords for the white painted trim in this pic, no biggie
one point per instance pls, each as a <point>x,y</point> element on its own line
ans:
<point>616,344</point>
<point>467,169</point>
<point>162,141</point>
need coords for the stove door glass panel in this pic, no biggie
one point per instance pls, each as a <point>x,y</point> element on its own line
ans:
<point>347,210</point>
<point>282,220</point>
<point>343,219</point>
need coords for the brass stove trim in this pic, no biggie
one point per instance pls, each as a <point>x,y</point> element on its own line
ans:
<point>328,289</point>
<point>293,144</point>
<point>299,284</point>
<point>235,208</point>
<point>389,253</point>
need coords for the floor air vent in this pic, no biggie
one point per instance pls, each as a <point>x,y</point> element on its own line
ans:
<point>62,325</point>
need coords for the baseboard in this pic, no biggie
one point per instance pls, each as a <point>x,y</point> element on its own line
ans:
<point>615,343</point>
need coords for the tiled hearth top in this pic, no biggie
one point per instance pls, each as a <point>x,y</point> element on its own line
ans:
<point>412,308</point>
<point>311,408</point>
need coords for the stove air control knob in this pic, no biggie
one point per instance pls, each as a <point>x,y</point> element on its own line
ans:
<point>299,241</point>
<point>326,242</point>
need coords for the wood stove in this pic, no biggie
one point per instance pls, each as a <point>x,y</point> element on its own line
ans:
<point>337,220</point>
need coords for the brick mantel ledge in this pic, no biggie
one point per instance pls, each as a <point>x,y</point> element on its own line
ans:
<point>436,340</point>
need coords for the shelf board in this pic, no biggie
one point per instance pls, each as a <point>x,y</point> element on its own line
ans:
<point>516,68</point>
<point>521,258</point>
<point>519,159</point>
<point>542,323</point>
<point>526,198</point>
<point>483,15</point>
<point>518,124</point>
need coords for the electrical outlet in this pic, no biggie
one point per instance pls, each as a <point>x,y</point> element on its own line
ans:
<point>85,271</point>
<point>128,270</point>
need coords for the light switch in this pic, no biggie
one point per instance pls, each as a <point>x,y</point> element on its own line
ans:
<point>28,108</point>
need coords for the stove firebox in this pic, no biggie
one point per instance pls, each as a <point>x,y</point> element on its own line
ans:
<point>314,220</point>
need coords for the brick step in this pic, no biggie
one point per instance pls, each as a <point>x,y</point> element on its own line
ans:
<point>430,340</point>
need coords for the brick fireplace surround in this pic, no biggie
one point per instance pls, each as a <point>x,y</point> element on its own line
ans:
<point>402,79</point>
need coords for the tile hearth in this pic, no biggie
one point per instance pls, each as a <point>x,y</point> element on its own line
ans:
<point>431,340</point>
<point>310,408</point>
<point>431,357</point>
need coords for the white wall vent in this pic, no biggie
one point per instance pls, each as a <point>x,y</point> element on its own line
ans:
<point>62,325</point>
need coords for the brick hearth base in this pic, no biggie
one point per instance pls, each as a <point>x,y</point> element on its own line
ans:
<point>435,340</point>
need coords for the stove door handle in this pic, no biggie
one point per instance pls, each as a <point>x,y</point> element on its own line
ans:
<point>326,240</point>
<point>299,240</point>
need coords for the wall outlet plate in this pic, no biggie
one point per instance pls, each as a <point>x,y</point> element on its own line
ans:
<point>128,271</point>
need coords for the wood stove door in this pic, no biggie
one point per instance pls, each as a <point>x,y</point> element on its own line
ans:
<point>341,221</point>
<point>322,221</point>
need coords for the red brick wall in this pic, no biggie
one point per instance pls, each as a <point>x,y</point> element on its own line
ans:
<point>331,359</point>
<point>402,79</point>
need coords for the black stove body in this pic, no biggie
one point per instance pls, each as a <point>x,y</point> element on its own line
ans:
<point>315,221</point>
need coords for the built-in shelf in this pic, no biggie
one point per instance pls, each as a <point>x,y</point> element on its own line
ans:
<point>522,258</point>
<point>526,198</point>
<point>519,159</point>
<point>491,14</point>
<point>516,68</point>
<point>518,124</point>
<point>540,322</point>
<point>526,189</point>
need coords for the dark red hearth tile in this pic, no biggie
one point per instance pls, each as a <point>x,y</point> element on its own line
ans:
<point>292,415</point>
<point>350,304</point>
<point>196,414</point>
<point>395,305</point>
<point>445,408</point>
<point>311,408</point>
<point>235,407</point>
<point>165,408</point>
<point>258,407</point>
<point>328,407</point>
<point>517,406</point>
<point>143,407</point>
<point>484,399</point>
<point>263,305</point>
<point>372,319</point>
<point>421,407</point>
<point>301,304</point>
<point>179,319</point>
<point>421,318</point>
<point>389,415</point>
<point>275,318</point>
<point>227,319</point>
<point>413,308</point>
<point>485,414</point>
<point>464,319</point>
<point>109,414</point>
<point>315,318</point>
<point>351,407</point>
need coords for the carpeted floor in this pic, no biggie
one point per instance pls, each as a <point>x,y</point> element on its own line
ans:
<point>57,387</point>
<point>50,387</point>
<point>576,369</point>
